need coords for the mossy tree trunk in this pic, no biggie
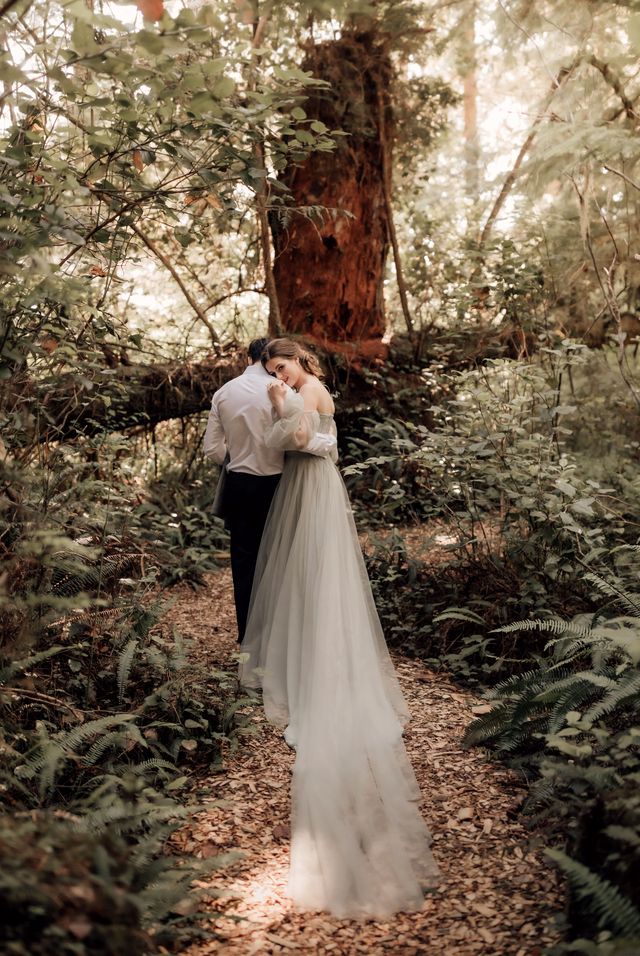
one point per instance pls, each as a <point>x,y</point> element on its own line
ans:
<point>329,274</point>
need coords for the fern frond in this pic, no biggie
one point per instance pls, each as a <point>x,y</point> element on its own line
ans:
<point>552,625</point>
<point>71,578</point>
<point>115,739</point>
<point>614,911</point>
<point>591,679</point>
<point>125,663</point>
<point>19,667</point>
<point>531,681</point>
<point>92,616</point>
<point>72,740</point>
<point>44,765</point>
<point>625,693</point>
<point>485,728</point>
<point>541,794</point>
<point>155,763</point>
<point>125,818</point>
<point>574,696</point>
<point>611,590</point>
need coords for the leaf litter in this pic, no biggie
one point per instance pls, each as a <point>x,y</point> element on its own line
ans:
<point>497,897</point>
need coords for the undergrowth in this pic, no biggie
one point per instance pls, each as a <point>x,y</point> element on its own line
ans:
<point>106,725</point>
<point>526,587</point>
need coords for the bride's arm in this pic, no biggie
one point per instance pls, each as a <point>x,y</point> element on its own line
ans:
<point>296,426</point>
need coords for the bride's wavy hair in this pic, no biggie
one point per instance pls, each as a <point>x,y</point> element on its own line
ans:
<point>288,349</point>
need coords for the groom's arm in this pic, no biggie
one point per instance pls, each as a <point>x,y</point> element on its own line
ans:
<point>215,445</point>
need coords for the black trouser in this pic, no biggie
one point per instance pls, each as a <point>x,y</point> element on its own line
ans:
<point>247,499</point>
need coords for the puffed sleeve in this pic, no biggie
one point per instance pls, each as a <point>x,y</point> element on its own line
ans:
<point>297,429</point>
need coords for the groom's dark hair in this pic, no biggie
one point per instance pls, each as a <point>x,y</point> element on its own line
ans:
<point>256,348</point>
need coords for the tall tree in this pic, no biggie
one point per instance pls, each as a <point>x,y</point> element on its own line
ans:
<point>329,266</point>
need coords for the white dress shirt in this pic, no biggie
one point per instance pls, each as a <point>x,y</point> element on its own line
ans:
<point>241,412</point>
<point>239,417</point>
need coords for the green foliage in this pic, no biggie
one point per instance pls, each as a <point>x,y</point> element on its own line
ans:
<point>527,585</point>
<point>573,724</point>
<point>611,908</point>
<point>104,723</point>
<point>175,515</point>
<point>69,889</point>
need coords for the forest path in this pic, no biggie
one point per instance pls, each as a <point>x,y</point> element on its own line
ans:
<point>497,895</point>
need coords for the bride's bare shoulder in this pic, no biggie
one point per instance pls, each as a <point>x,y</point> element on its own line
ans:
<point>316,397</point>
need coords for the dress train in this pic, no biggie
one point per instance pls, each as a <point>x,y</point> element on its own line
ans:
<point>314,643</point>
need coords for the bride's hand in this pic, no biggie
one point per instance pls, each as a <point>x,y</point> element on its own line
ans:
<point>277,391</point>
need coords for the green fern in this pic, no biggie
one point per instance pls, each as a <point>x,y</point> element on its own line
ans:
<point>125,663</point>
<point>626,693</point>
<point>541,794</point>
<point>553,625</point>
<point>614,911</point>
<point>92,616</point>
<point>27,663</point>
<point>574,697</point>
<point>115,739</point>
<point>530,680</point>
<point>72,740</point>
<point>71,579</point>
<point>614,591</point>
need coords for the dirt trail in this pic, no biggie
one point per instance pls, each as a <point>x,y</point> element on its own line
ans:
<point>497,895</point>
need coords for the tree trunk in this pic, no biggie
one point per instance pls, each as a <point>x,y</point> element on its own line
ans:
<point>329,274</point>
<point>120,398</point>
<point>141,396</point>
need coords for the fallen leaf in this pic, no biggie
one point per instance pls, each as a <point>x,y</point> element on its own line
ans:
<point>49,343</point>
<point>481,709</point>
<point>279,941</point>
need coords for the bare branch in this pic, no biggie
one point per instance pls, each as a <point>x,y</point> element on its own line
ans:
<point>151,246</point>
<point>557,84</point>
<point>614,82</point>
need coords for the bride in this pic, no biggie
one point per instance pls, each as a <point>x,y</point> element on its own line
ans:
<point>359,846</point>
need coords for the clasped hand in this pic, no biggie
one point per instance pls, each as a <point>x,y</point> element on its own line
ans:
<point>277,391</point>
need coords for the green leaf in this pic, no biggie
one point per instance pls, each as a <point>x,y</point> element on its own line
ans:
<point>151,42</point>
<point>583,506</point>
<point>224,87</point>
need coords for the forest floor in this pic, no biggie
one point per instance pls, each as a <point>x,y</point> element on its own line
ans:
<point>497,895</point>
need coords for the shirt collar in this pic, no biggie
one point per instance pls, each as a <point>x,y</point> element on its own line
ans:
<point>256,369</point>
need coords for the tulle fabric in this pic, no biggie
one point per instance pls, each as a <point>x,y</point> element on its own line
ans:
<point>359,846</point>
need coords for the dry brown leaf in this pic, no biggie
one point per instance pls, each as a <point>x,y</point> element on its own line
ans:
<point>481,709</point>
<point>151,9</point>
<point>279,941</point>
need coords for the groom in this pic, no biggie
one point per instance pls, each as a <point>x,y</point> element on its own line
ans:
<point>241,412</point>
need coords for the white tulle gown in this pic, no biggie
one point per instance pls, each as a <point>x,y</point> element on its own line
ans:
<point>359,846</point>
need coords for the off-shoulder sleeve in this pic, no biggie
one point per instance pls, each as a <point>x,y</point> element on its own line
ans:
<point>293,431</point>
<point>333,453</point>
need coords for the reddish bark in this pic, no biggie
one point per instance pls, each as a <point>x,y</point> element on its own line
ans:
<point>329,275</point>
